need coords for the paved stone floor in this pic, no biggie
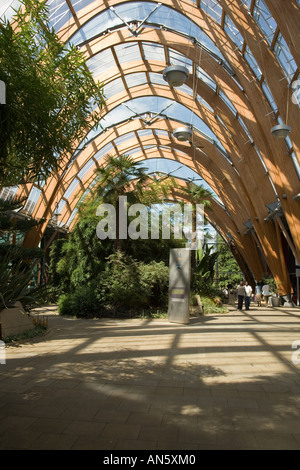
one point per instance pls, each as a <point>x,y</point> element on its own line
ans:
<point>222,382</point>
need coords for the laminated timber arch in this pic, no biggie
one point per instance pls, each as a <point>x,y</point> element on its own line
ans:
<point>253,188</point>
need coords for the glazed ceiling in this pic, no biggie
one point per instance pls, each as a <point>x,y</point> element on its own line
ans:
<point>242,58</point>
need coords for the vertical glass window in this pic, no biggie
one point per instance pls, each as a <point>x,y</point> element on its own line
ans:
<point>32,200</point>
<point>8,193</point>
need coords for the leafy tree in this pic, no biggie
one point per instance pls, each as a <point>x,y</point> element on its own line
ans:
<point>51,97</point>
<point>228,270</point>
<point>203,273</point>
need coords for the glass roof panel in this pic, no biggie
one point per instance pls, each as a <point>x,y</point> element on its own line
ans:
<point>285,57</point>
<point>79,4</point>
<point>204,103</point>
<point>59,13</point>
<point>157,78</point>
<point>153,52</point>
<point>8,193</point>
<point>212,8</point>
<point>139,11</point>
<point>71,188</point>
<point>252,63</point>
<point>233,32</point>
<point>227,102</point>
<point>206,78</point>
<point>143,105</point>
<point>101,62</point>
<point>124,137</point>
<point>128,52</point>
<point>247,3</point>
<point>269,95</point>
<point>114,87</point>
<point>86,168</point>
<point>135,79</point>
<point>104,151</point>
<point>176,58</point>
<point>264,20</point>
<point>69,221</point>
<point>7,9</point>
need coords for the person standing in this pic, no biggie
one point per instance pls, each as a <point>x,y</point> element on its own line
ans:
<point>266,293</point>
<point>248,293</point>
<point>240,295</point>
<point>258,295</point>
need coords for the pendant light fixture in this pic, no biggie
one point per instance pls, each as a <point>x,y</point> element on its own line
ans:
<point>183,133</point>
<point>281,131</point>
<point>176,75</point>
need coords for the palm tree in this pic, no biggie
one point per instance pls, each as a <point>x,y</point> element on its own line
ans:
<point>120,176</point>
<point>196,194</point>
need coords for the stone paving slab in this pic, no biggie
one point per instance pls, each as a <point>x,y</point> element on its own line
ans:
<point>221,382</point>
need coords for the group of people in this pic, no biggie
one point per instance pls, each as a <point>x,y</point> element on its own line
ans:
<point>245,293</point>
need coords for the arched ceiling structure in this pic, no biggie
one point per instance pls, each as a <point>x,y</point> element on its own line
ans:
<point>243,60</point>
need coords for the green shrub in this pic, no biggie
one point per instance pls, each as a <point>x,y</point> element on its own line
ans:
<point>155,279</point>
<point>120,283</point>
<point>212,305</point>
<point>81,303</point>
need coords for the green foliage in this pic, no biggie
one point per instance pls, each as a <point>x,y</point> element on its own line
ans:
<point>50,97</point>
<point>203,274</point>
<point>212,305</point>
<point>79,259</point>
<point>81,303</point>
<point>121,285</point>
<point>228,269</point>
<point>15,279</point>
<point>28,334</point>
<point>155,280</point>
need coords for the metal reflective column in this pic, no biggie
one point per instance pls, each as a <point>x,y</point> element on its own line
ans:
<point>179,285</point>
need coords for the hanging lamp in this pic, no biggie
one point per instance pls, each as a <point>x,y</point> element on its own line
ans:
<point>183,133</point>
<point>176,75</point>
<point>281,131</point>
